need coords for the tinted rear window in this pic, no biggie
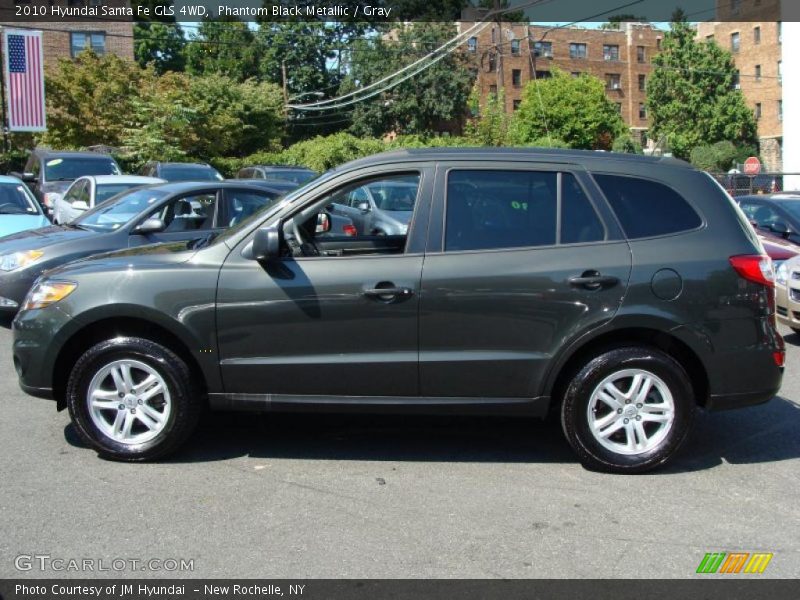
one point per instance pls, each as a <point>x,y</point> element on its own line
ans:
<point>180,173</point>
<point>646,208</point>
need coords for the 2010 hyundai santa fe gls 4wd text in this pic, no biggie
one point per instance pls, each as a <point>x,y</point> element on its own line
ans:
<point>619,292</point>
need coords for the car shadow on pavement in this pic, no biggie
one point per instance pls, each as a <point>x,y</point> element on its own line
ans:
<point>791,338</point>
<point>766,433</point>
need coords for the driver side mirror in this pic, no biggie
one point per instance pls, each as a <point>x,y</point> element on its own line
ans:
<point>151,225</point>
<point>266,244</point>
<point>781,228</point>
<point>80,205</point>
<point>363,206</point>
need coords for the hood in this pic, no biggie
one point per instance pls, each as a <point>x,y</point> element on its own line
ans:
<point>45,237</point>
<point>141,257</point>
<point>15,223</point>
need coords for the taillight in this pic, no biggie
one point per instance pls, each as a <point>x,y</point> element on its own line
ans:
<point>350,230</point>
<point>754,267</point>
<point>779,357</point>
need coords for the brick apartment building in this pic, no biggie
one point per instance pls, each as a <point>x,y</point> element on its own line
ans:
<point>509,55</point>
<point>756,45</point>
<point>66,39</point>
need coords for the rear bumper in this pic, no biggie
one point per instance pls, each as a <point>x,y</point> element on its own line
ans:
<point>729,401</point>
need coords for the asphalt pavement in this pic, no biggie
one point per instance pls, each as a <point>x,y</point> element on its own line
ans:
<point>305,496</point>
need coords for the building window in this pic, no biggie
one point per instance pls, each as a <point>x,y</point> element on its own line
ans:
<point>610,52</point>
<point>515,47</point>
<point>492,61</point>
<point>780,72</point>
<point>735,42</point>
<point>642,110</point>
<point>642,83</point>
<point>493,90</point>
<point>640,55</point>
<point>658,43</point>
<point>494,35</point>
<point>758,72</point>
<point>576,73</point>
<point>472,44</point>
<point>515,104</point>
<point>618,106</point>
<point>81,40</point>
<point>780,32</point>
<point>756,35</point>
<point>544,49</point>
<point>710,38</point>
<point>577,50</point>
<point>516,77</point>
<point>613,81</point>
<point>780,110</point>
<point>758,110</point>
<point>543,74</point>
<point>736,80</point>
<point>735,6</point>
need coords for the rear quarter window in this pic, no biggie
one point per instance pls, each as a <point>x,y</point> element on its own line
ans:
<point>647,208</point>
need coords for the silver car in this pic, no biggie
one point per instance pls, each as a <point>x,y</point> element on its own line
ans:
<point>382,207</point>
<point>88,191</point>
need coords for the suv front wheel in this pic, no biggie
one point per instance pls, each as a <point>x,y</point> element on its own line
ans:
<point>132,399</point>
<point>628,410</point>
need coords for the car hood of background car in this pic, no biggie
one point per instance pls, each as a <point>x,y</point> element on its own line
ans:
<point>10,224</point>
<point>36,239</point>
<point>140,257</point>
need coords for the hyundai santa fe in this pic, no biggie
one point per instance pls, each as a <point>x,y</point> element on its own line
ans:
<point>618,292</point>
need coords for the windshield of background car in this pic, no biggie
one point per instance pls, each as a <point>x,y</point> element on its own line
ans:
<point>67,169</point>
<point>108,190</point>
<point>181,173</point>
<point>394,195</point>
<point>115,213</point>
<point>16,200</point>
<point>290,175</point>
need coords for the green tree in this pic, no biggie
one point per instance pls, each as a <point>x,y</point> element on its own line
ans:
<point>489,127</point>
<point>159,44</point>
<point>225,46</point>
<point>691,95</point>
<point>433,100</point>
<point>574,110</point>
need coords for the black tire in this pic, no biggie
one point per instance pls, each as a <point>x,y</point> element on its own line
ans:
<point>575,406</point>
<point>186,401</point>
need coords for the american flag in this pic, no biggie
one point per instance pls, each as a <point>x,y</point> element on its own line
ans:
<point>24,79</point>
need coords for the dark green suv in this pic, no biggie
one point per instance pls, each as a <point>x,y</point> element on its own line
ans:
<point>619,292</point>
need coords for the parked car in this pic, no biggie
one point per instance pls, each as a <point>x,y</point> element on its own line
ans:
<point>181,171</point>
<point>379,207</point>
<point>297,175</point>
<point>776,214</point>
<point>19,210</point>
<point>620,292</point>
<point>778,249</point>
<point>285,186</point>
<point>86,192</point>
<point>49,173</point>
<point>787,293</point>
<point>176,212</point>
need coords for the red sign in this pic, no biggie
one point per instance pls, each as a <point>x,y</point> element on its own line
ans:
<point>752,166</point>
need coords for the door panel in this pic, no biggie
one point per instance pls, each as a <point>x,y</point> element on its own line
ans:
<point>501,297</point>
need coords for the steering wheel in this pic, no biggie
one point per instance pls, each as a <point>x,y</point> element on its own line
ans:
<point>306,246</point>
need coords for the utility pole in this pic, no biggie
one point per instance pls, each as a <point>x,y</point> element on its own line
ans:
<point>6,144</point>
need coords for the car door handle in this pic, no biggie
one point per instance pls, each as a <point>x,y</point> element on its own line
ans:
<point>402,292</point>
<point>592,280</point>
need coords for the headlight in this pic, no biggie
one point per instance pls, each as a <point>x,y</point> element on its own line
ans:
<point>781,274</point>
<point>47,293</point>
<point>17,260</point>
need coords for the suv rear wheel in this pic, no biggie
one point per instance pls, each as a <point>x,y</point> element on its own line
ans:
<point>132,399</point>
<point>628,410</point>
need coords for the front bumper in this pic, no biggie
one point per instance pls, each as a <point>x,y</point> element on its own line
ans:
<point>787,303</point>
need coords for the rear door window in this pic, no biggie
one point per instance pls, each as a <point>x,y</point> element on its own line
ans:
<point>647,208</point>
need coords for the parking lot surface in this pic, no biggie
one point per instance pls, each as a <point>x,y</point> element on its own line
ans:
<point>295,496</point>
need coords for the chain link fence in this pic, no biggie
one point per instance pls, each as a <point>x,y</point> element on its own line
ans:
<point>739,184</point>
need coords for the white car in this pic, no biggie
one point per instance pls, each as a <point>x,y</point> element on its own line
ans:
<point>88,191</point>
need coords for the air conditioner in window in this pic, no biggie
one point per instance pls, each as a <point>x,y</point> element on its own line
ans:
<point>615,86</point>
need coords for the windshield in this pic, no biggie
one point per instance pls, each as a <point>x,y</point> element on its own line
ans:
<point>67,169</point>
<point>115,213</point>
<point>15,199</point>
<point>394,196</point>
<point>105,191</point>
<point>291,175</point>
<point>189,173</point>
